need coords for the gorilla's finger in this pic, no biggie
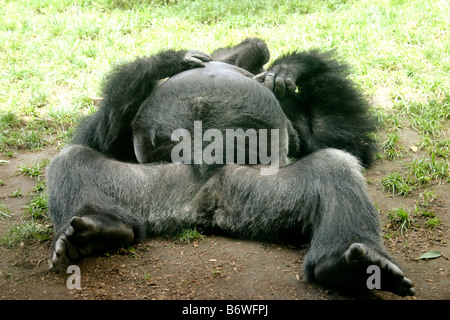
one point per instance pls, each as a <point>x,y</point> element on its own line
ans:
<point>195,59</point>
<point>194,62</point>
<point>280,87</point>
<point>290,85</point>
<point>269,80</point>
<point>201,56</point>
<point>260,77</point>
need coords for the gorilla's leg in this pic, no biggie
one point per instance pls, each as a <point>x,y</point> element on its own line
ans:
<point>109,129</point>
<point>346,237</point>
<point>322,196</point>
<point>251,55</point>
<point>328,110</point>
<point>97,203</point>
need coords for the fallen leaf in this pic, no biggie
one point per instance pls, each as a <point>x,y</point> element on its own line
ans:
<point>430,255</point>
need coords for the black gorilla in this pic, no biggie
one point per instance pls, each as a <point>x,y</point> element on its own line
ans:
<point>100,198</point>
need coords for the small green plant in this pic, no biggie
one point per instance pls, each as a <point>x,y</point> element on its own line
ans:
<point>188,235</point>
<point>34,170</point>
<point>387,119</point>
<point>427,196</point>
<point>216,272</point>
<point>400,216</point>
<point>440,148</point>
<point>428,214</point>
<point>390,146</point>
<point>38,206</point>
<point>8,120</point>
<point>39,99</point>
<point>29,230</point>
<point>4,211</point>
<point>427,118</point>
<point>32,139</point>
<point>396,184</point>
<point>35,224</point>
<point>17,194</point>
<point>433,222</point>
<point>422,171</point>
<point>147,276</point>
<point>41,186</point>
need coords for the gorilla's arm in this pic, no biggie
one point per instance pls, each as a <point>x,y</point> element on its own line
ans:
<point>251,54</point>
<point>108,130</point>
<point>323,104</point>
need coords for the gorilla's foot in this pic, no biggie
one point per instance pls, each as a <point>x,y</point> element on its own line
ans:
<point>87,235</point>
<point>350,271</point>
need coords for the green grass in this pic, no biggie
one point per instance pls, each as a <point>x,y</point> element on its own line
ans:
<point>427,197</point>
<point>419,173</point>
<point>400,217</point>
<point>35,224</point>
<point>34,170</point>
<point>38,206</point>
<point>439,148</point>
<point>4,211</point>
<point>403,220</point>
<point>433,222</point>
<point>188,235</point>
<point>17,194</point>
<point>391,147</point>
<point>422,171</point>
<point>54,55</point>
<point>396,184</point>
<point>29,230</point>
<point>428,118</point>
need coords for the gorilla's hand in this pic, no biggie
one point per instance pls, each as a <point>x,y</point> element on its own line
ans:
<point>195,59</point>
<point>279,80</point>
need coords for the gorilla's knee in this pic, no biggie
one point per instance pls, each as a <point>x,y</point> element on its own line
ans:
<point>335,165</point>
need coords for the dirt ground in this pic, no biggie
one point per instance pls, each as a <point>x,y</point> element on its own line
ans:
<point>213,267</point>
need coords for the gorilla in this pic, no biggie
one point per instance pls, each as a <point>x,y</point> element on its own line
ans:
<point>116,183</point>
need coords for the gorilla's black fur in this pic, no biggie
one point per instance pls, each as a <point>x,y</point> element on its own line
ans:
<point>100,198</point>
